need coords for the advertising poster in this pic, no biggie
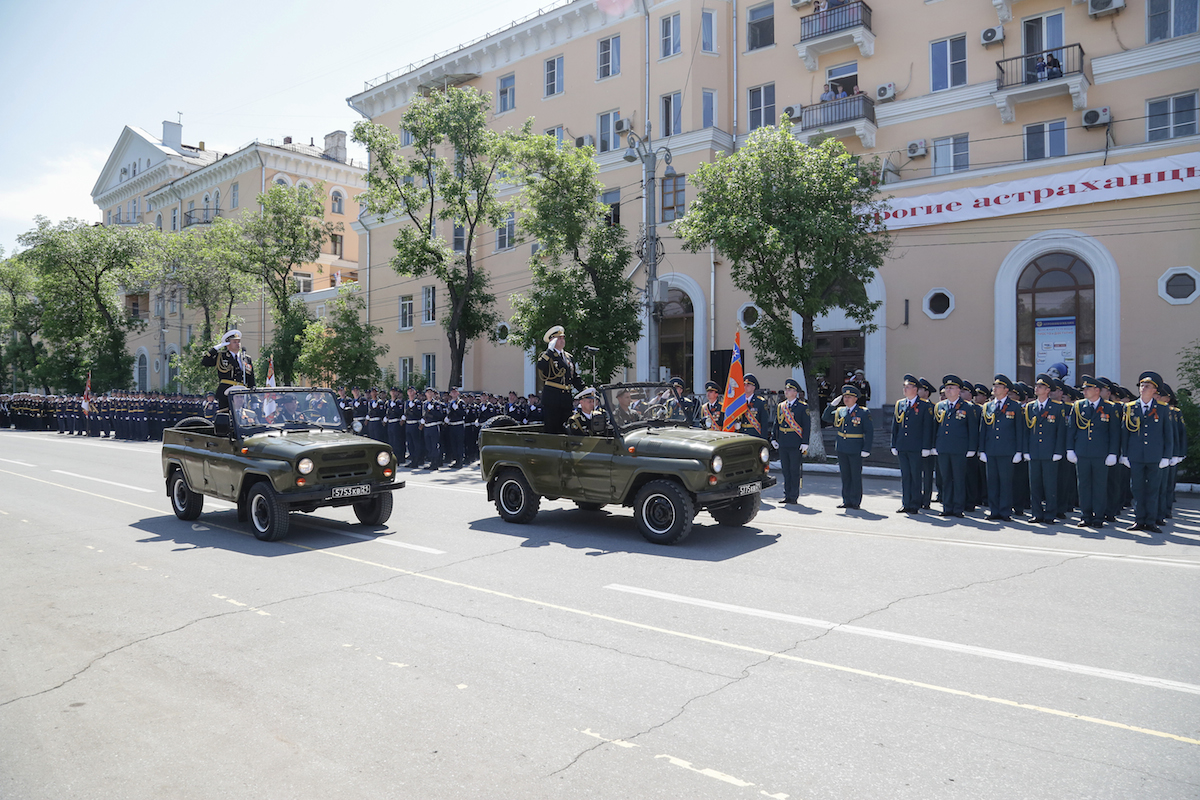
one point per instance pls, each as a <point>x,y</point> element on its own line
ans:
<point>1054,346</point>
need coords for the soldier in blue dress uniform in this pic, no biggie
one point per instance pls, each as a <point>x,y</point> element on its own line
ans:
<point>1093,443</point>
<point>412,428</point>
<point>790,437</point>
<point>956,439</point>
<point>712,417</point>
<point>1045,445</point>
<point>456,421</point>
<point>1001,447</point>
<point>433,415</point>
<point>976,397</point>
<point>754,421</point>
<point>1167,494</point>
<point>854,434</point>
<point>1147,445</point>
<point>912,442</point>
<point>393,422</point>
<point>926,392</point>
<point>376,409</point>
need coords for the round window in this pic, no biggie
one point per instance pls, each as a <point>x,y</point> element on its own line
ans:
<point>748,315</point>
<point>1181,285</point>
<point>939,303</point>
<point>502,332</point>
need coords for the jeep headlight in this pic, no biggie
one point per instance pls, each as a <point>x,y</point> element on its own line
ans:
<point>305,466</point>
<point>716,464</point>
<point>384,458</point>
<point>764,455</point>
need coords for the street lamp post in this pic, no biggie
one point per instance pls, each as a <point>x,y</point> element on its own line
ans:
<point>641,148</point>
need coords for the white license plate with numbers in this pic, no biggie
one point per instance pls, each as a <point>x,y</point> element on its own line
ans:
<point>750,488</point>
<point>351,491</point>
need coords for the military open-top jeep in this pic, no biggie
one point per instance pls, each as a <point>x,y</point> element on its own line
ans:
<point>643,453</point>
<point>275,451</point>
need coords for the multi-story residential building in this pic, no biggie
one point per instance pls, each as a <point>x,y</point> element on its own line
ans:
<point>174,187</point>
<point>1042,159</point>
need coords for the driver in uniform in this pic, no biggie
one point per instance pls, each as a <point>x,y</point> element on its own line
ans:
<point>234,367</point>
<point>679,404</point>
<point>587,421</point>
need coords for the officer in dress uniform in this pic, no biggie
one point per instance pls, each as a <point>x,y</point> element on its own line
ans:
<point>1068,487</point>
<point>1093,441</point>
<point>375,414</point>
<point>955,441</point>
<point>977,395</point>
<point>681,405</point>
<point>534,412</point>
<point>393,423</point>
<point>754,421</point>
<point>433,415</point>
<point>711,415</point>
<point>456,421</point>
<point>471,430</point>
<point>790,437</point>
<point>1113,489</point>
<point>587,421</point>
<point>1148,445</point>
<point>912,442</point>
<point>234,367</point>
<point>926,392</point>
<point>413,412</point>
<point>1045,444</point>
<point>358,409</point>
<point>209,409</point>
<point>560,380</point>
<point>855,434</point>
<point>1001,448</point>
<point>1167,494</point>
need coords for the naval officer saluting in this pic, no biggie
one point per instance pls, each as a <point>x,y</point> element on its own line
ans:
<point>560,380</point>
<point>234,367</point>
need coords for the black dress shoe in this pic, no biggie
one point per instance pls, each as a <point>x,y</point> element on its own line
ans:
<point>842,505</point>
<point>1097,523</point>
<point>902,510</point>
<point>1137,526</point>
<point>1086,522</point>
<point>944,514</point>
<point>1152,529</point>
<point>790,501</point>
<point>958,514</point>
<point>993,517</point>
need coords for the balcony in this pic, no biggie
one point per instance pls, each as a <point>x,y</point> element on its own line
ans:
<point>854,115</point>
<point>836,28</point>
<point>127,219</point>
<point>1018,79</point>
<point>200,216</point>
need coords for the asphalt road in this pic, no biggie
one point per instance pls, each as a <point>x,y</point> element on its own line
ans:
<point>812,654</point>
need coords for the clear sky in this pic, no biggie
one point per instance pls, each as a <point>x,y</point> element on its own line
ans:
<point>77,71</point>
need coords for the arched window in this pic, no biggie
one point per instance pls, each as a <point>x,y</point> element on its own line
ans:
<point>1056,316</point>
<point>676,335</point>
<point>217,200</point>
<point>338,203</point>
<point>143,372</point>
<point>158,221</point>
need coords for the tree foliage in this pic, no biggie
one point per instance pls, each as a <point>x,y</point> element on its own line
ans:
<point>341,348</point>
<point>579,273</point>
<point>801,229</point>
<point>22,352</point>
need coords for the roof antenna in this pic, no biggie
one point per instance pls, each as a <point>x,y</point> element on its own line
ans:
<point>180,120</point>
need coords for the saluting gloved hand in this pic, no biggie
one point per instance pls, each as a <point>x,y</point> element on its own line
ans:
<point>1017,458</point>
<point>1074,459</point>
<point>970,454</point>
<point>1111,460</point>
<point>774,444</point>
<point>983,457</point>
<point>1124,461</point>
<point>926,453</point>
<point>864,453</point>
<point>1057,457</point>
<point>933,451</point>
<point>895,452</point>
<point>1164,463</point>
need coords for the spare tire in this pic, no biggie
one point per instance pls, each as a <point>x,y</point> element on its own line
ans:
<point>502,421</point>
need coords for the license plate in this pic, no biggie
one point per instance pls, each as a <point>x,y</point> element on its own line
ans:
<point>750,488</point>
<point>351,491</point>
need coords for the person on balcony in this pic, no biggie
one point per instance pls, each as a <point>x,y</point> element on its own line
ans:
<point>1053,67</point>
<point>1041,69</point>
<point>828,94</point>
<point>841,93</point>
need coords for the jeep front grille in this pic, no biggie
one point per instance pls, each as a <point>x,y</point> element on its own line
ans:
<point>741,461</point>
<point>344,455</point>
<point>343,464</point>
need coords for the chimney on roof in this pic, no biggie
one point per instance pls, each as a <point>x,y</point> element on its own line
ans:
<point>201,148</point>
<point>335,145</point>
<point>287,140</point>
<point>173,136</point>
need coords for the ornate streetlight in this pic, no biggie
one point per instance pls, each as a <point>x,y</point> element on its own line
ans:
<point>641,148</point>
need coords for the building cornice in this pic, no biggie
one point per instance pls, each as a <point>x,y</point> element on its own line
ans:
<point>898,112</point>
<point>1171,54</point>
<point>162,173</point>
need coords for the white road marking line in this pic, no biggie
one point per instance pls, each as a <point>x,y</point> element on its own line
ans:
<point>101,480</point>
<point>711,773</point>
<point>19,463</point>
<point>617,742</point>
<point>985,652</point>
<point>105,443</point>
<point>380,539</point>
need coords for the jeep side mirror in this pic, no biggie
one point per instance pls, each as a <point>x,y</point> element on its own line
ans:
<point>221,423</point>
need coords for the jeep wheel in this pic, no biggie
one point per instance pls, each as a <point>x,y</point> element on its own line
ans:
<point>584,505</point>
<point>664,512</point>
<point>739,512</point>
<point>186,503</point>
<point>268,516</point>
<point>375,511</point>
<point>515,500</point>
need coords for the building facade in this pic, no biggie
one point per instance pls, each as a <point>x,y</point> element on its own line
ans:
<point>1041,157</point>
<point>176,187</point>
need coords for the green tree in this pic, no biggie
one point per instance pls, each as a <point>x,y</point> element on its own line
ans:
<point>341,347</point>
<point>801,228</point>
<point>579,272</point>
<point>1189,388</point>
<point>425,188</point>
<point>21,350</point>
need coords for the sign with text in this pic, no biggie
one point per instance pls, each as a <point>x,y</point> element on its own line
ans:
<point>1054,343</point>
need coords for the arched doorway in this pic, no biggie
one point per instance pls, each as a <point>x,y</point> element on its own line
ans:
<point>143,372</point>
<point>1056,316</point>
<point>676,334</point>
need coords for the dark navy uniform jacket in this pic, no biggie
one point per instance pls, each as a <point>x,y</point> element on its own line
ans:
<point>1094,432</point>
<point>854,429</point>
<point>433,411</point>
<point>711,416</point>
<point>1002,431</point>
<point>788,435</point>
<point>1147,436</point>
<point>957,428</point>
<point>456,411</point>
<point>913,428</point>
<point>754,421</point>
<point>1046,430</point>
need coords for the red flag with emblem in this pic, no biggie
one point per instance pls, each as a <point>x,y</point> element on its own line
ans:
<point>87,394</point>
<point>271,372</point>
<point>733,404</point>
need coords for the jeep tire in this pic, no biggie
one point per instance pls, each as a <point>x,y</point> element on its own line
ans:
<point>739,512</point>
<point>515,499</point>
<point>268,516</point>
<point>664,512</point>
<point>374,511</point>
<point>186,503</point>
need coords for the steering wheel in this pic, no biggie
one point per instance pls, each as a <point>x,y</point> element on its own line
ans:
<point>656,412</point>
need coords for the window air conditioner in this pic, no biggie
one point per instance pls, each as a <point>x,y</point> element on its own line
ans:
<point>800,3</point>
<point>1095,117</point>
<point>916,148</point>
<point>587,140</point>
<point>992,35</point>
<point>1100,8</point>
<point>624,125</point>
<point>793,112</point>
<point>885,91</point>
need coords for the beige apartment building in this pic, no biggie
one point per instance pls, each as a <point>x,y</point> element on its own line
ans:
<point>1042,158</point>
<point>174,186</point>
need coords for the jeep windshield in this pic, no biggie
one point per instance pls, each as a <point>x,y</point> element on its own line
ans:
<point>636,405</point>
<point>259,410</point>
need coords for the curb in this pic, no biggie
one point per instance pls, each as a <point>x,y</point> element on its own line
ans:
<point>888,472</point>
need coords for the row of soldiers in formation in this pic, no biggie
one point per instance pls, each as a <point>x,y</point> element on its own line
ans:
<point>120,414</point>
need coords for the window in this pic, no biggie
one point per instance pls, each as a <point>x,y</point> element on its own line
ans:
<point>429,367</point>
<point>558,132</point>
<point>174,219</point>
<point>950,155</point>
<point>1181,285</point>
<point>406,312</point>
<point>843,77</point>
<point>1055,292</point>
<point>188,340</point>
<point>233,196</point>
<point>760,26</point>
<point>610,57</point>
<point>608,138</point>
<point>320,310</point>
<point>502,332</point>
<point>460,238</point>
<point>337,244</point>
<point>1171,117</point>
<point>158,221</point>
<point>709,98</point>
<point>428,305</point>
<point>708,31</point>
<point>948,63</point>
<point>506,97</point>
<point>673,206</point>
<point>406,371</point>
<point>938,303</point>
<point>217,200</point>
<point>554,76</point>
<point>506,234</point>
<point>670,36</point>
<point>1045,140</point>
<point>612,199</point>
<point>762,106</point>
<point>281,182</point>
<point>303,281</point>
<point>1178,286</point>
<point>337,203</point>
<point>1166,19</point>
<point>158,307</point>
<point>672,113</point>
<point>406,137</point>
<point>172,306</point>
<point>748,315</point>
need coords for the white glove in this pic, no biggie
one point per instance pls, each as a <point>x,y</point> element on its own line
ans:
<point>926,453</point>
<point>866,453</point>
<point>1175,461</point>
<point>774,444</point>
<point>895,452</point>
<point>1074,459</point>
<point>983,457</point>
<point>1164,463</point>
<point>1057,457</point>
<point>970,454</point>
<point>837,401</point>
<point>803,449</point>
<point>1016,458</point>
<point>1124,461</point>
<point>1027,457</point>
<point>1111,461</point>
<point>933,452</point>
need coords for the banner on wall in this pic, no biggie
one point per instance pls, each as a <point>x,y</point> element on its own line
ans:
<point>1054,347</point>
<point>1180,173</point>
